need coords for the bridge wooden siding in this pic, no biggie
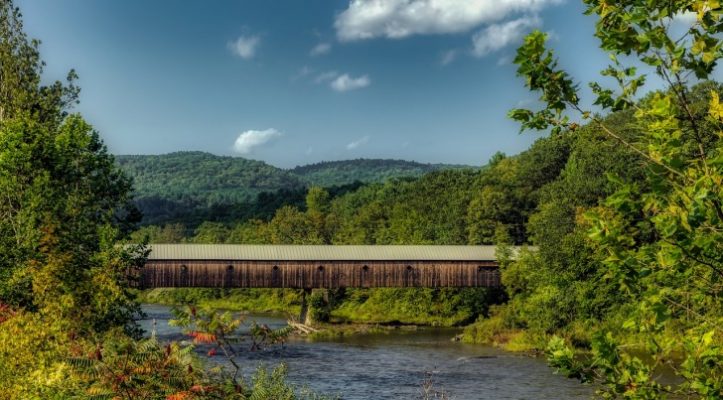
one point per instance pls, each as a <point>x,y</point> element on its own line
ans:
<point>306,267</point>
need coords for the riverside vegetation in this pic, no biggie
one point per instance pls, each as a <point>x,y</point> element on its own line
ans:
<point>624,208</point>
<point>67,327</point>
<point>624,204</point>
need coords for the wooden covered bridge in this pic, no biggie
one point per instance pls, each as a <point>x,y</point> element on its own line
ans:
<point>307,266</point>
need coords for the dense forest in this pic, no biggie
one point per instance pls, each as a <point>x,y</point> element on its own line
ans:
<point>68,316</point>
<point>533,198</point>
<point>192,186</point>
<point>622,209</point>
<point>338,173</point>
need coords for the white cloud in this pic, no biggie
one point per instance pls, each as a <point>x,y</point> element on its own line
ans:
<point>366,19</point>
<point>249,140</point>
<point>245,46</point>
<point>353,145</point>
<point>325,76</point>
<point>320,49</point>
<point>497,36</point>
<point>344,83</point>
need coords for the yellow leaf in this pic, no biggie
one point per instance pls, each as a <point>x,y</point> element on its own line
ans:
<point>708,338</point>
<point>698,46</point>
<point>715,109</point>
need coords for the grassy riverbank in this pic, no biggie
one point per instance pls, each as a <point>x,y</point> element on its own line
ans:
<point>276,301</point>
<point>387,306</point>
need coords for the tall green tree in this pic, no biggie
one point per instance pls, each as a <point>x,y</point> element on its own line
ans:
<point>663,239</point>
<point>21,90</point>
<point>63,202</point>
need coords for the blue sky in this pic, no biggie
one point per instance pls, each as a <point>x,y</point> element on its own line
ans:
<point>296,82</point>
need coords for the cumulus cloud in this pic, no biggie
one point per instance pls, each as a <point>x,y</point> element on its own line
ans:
<point>345,83</point>
<point>320,49</point>
<point>366,19</point>
<point>497,36</point>
<point>353,145</point>
<point>251,139</point>
<point>245,46</point>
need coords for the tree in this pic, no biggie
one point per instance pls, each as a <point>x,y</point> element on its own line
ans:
<point>21,91</point>
<point>64,203</point>
<point>663,239</point>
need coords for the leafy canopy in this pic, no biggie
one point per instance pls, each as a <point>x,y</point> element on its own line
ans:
<point>663,239</point>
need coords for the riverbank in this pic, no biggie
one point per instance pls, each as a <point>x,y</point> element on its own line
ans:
<point>386,306</point>
<point>394,363</point>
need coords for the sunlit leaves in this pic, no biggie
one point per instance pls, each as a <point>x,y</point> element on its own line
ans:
<point>663,239</point>
<point>539,68</point>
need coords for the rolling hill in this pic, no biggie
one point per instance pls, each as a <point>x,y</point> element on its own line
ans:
<point>193,186</point>
<point>334,173</point>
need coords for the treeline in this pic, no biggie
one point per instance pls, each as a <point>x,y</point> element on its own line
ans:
<point>546,197</point>
<point>68,316</point>
<point>192,187</point>
<point>629,268</point>
<point>190,214</point>
<point>335,173</point>
<point>461,206</point>
<point>532,198</point>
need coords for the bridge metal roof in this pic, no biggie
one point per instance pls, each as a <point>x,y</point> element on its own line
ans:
<point>320,252</point>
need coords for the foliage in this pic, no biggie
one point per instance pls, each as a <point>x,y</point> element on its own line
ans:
<point>428,390</point>
<point>436,307</point>
<point>221,330</point>
<point>193,187</point>
<point>278,301</point>
<point>338,173</point>
<point>657,237</point>
<point>64,203</point>
<point>66,310</point>
<point>146,369</point>
<point>22,92</point>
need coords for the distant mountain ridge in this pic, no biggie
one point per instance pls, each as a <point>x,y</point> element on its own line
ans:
<point>170,185</point>
<point>195,175</point>
<point>334,173</point>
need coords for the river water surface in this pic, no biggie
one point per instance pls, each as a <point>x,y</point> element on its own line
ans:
<point>393,365</point>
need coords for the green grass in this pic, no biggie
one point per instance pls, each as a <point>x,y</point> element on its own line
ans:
<point>432,307</point>
<point>277,301</point>
<point>387,306</point>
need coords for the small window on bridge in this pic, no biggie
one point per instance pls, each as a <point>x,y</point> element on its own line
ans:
<point>365,268</point>
<point>321,268</point>
<point>184,268</point>
<point>409,268</point>
<point>229,268</point>
<point>484,268</point>
<point>276,268</point>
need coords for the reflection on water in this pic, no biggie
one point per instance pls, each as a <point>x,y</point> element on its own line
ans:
<point>392,366</point>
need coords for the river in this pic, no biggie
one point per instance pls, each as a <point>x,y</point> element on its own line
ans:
<point>393,365</point>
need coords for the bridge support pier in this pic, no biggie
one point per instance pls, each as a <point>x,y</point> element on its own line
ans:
<point>305,317</point>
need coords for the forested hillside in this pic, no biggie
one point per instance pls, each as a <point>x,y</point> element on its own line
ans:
<point>622,201</point>
<point>334,173</point>
<point>191,187</point>
<point>203,179</point>
<point>545,196</point>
